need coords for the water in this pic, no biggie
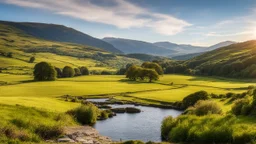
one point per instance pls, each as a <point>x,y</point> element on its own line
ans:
<point>97,100</point>
<point>143,126</point>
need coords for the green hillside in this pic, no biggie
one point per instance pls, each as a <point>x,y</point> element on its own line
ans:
<point>236,60</point>
<point>22,46</point>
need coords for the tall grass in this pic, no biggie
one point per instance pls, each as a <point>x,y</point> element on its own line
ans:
<point>207,129</point>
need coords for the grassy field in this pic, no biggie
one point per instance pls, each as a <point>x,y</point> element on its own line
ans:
<point>20,90</point>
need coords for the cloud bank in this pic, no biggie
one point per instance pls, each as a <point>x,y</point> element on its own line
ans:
<point>119,13</point>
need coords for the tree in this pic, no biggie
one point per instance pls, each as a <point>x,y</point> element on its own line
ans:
<point>191,99</point>
<point>151,74</point>
<point>152,65</point>
<point>131,72</point>
<point>121,71</point>
<point>9,54</point>
<point>59,72</point>
<point>84,70</point>
<point>44,71</point>
<point>32,59</point>
<point>77,72</point>
<point>68,72</point>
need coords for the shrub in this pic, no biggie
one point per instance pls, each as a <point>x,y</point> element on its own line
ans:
<point>9,54</point>
<point>77,72</point>
<point>242,106</point>
<point>59,72</point>
<point>84,70</point>
<point>32,59</point>
<point>106,73</point>
<point>44,71</point>
<point>191,99</point>
<point>49,132</point>
<point>206,129</point>
<point>104,114</point>
<point>85,114</point>
<point>207,107</point>
<point>68,72</point>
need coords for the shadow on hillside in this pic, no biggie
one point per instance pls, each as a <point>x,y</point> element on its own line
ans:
<point>221,79</point>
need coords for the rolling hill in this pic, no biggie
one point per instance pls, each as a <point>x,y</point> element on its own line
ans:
<point>236,60</point>
<point>60,33</point>
<point>17,47</point>
<point>133,46</point>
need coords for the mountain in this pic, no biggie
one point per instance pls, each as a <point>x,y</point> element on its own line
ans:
<point>60,33</point>
<point>133,46</point>
<point>181,49</point>
<point>145,57</point>
<point>221,44</point>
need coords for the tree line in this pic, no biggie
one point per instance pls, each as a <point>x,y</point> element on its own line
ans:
<point>44,71</point>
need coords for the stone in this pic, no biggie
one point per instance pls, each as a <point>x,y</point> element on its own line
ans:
<point>88,142</point>
<point>65,139</point>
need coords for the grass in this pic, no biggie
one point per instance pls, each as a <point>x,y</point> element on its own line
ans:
<point>38,94</point>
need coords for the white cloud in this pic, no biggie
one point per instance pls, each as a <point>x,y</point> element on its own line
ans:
<point>121,14</point>
<point>214,34</point>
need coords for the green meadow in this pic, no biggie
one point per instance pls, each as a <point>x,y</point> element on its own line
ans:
<point>20,89</point>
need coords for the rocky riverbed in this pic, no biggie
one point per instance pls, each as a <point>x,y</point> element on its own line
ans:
<point>83,135</point>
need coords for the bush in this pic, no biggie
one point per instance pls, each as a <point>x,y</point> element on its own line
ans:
<point>77,72</point>
<point>44,71</point>
<point>32,59</point>
<point>106,73</point>
<point>49,132</point>
<point>206,129</point>
<point>59,72</point>
<point>207,107</point>
<point>133,142</point>
<point>85,114</point>
<point>68,72</point>
<point>191,99</point>
<point>242,106</point>
<point>9,54</point>
<point>84,70</point>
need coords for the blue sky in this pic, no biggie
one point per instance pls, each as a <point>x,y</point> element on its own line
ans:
<point>197,22</point>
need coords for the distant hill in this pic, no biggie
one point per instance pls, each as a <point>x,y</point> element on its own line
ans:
<point>185,52</point>
<point>221,44</point>
<point>187,56</point>
<point>145,57</point>
<point>236,60</point>
<point>133,46</point>
<point>181,49</point>
<point>61,33</point>
<point>17,47</point>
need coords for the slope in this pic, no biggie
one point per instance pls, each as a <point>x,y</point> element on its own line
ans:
<point>61,33</point>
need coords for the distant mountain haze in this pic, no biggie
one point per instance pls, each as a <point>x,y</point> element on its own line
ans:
<point>129,46</point>
<point>61,33</point>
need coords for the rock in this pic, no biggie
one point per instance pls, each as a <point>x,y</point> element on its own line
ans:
<point>65,139</point>
<point>88,142</point>
<point>132,110</point>
<point>81,140</point>
<point>118,110</point>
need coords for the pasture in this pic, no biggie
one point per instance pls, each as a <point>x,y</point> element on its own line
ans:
<point>21,90</point>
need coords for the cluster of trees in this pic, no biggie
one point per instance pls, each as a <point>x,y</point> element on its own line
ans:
<point>44,71</point>
<point>148,70</point>
<point>9,54</point>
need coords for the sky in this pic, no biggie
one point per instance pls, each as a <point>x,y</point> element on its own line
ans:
<point>196,22</point>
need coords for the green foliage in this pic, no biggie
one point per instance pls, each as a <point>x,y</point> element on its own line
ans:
<point>242,106</point>
<point>191,99</point>
<point>133,142</point>
<point>152,65</point>
<point>68,72</point>
<point>106,73</point>
<point>49,132</point>
<point>59,72</point>
<point>32,59</point>
<point>9,55</point>
<point>77,72</point>
<point>135,72</point>
<point>84,70</point>
<point>85,114</point>
<point>206,129</point>
<point>44,71</point>
<point>207,107</point>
